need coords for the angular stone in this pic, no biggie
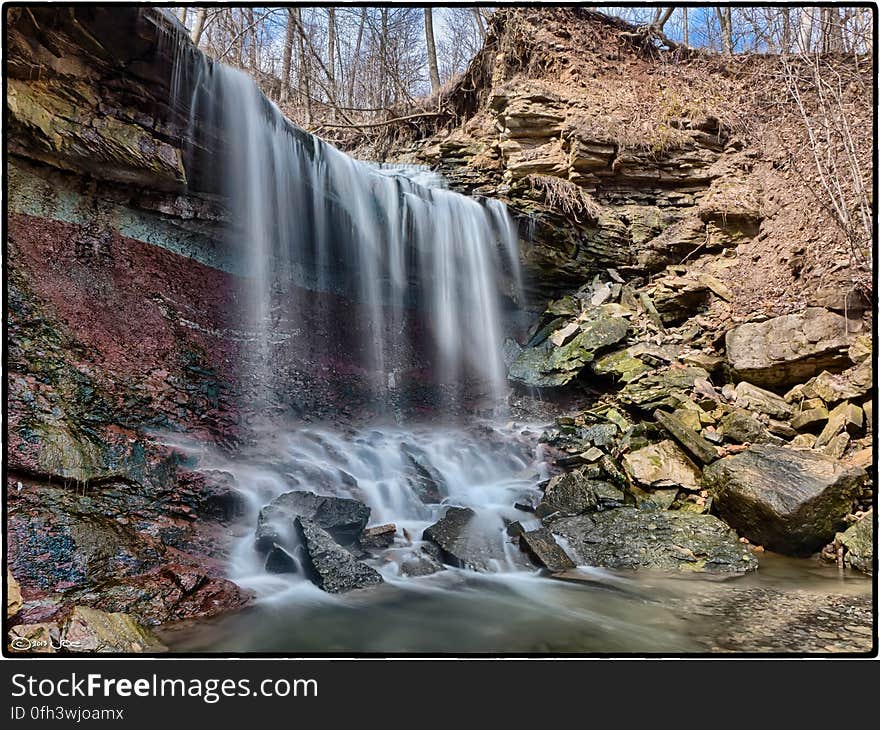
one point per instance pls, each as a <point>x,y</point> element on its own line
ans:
<point>809,417</point>
<point>859,543</point>
<point>667,387</point>
<point>662,465</point>
<point>781,428</point>
<point>466,542</point>
<point>329,565</point>
<point>836,448</point>
<point>788,349</point>
<point>850,384</point>
<point>13,595</point>
<point>278,560</point>
<point>542,547</point>
<point>785,499</point>
<point>845,416</point>
<point>620,365</point>
<point>763,401</point>
<point>548,366</point>
<point>658,540</point>
<point>576,492</point>
<point>694,444</point>
<point>421,562</point>
<point>378,537</point>
<point>742,427</point>
<point>343,518</point>
<point>91,631</point>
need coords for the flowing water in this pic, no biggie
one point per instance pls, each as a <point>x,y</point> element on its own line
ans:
<point>407,255</point>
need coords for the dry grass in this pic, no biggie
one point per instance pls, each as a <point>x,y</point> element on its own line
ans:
<point>566,196</point>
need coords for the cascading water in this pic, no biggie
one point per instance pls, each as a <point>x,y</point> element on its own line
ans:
<point>406,253</point>
<point>424,271</point>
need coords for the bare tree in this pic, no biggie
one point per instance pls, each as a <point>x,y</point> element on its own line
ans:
<point>432,50</point>
<point>725,20</point>
<point>199,25</point>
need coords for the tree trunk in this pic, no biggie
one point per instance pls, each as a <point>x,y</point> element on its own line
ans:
<point>357,51</point>
<point>684,26</point>
<point>199,25</point>
<point>181,14</point>
<point>305,90</point>
<point>286,58</point>
<point>480,25</point>
<point>432,51</point>
<point>252,39</point>
<point>805,31</point>
<point>725,20</point>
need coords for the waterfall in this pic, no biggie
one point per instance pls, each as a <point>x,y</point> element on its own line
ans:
<point>421,267</point>
<point>406,278</point>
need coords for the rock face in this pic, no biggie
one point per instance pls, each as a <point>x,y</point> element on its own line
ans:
<point>89,631</point>
<point>13,595</point>
<point>859,543</point>
<point>633,538</point>
<point>576,492</point>
<point>465,542</point>
<point>663,465</point>
<point>330,566</point>
<point>789,349</point>
<point>787,500</point>
<point>345,519</point>
<point>543,549</point>
<point>553,363</point>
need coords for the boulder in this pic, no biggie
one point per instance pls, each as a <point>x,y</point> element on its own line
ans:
<point>91,631</point>
<point>548,366</point>
<point>667,387</point>
<point>859,543</point>
<point>577,492</point>
<point>542,547</point>
<point>845,416</point>
<point>658,540</point>
<point>662,465</point>
<point>742,427</point>
<point>763,401</point>
<point>622,365</point>
<point>809,418</point>
<point>329,565</point>
<point>343,518</point>
<point>13,595</point>
<point>466,542</point>
<point>789,349</point>
<point>788,500</point>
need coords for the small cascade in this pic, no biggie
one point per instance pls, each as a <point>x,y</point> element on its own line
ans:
<point>424,270</point>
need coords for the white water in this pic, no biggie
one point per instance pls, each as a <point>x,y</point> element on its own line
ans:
<point>399,246</point>
<point>391,239</point>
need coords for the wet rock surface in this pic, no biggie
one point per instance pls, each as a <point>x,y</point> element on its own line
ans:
<point>542,547</point>
<point>643,539</point>
<point>329,565</point>
<point>345,519</point>
<point>789,501</point>
<point>467,541</point>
